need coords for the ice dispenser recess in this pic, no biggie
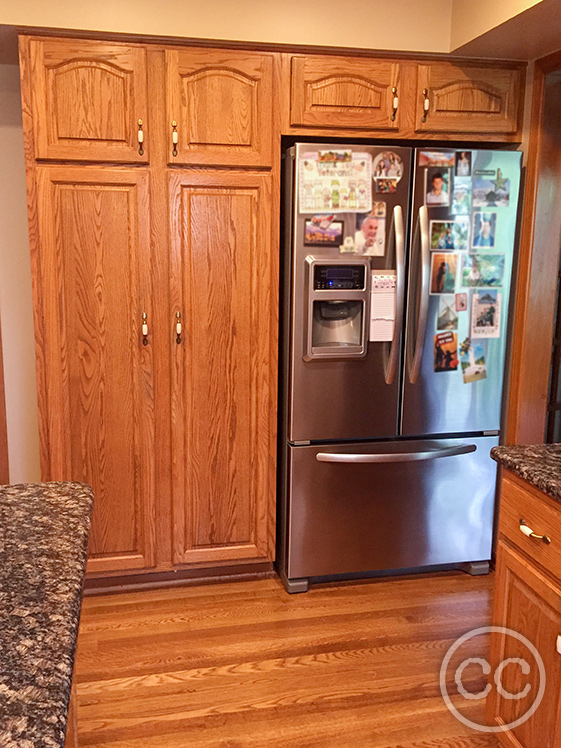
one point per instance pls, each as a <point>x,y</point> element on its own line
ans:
<point>337,308</point>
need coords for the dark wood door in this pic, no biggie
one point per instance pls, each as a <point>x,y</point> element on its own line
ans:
<point>88,97</point>
<point>529,603</point>
<point>222,104</point>
<point>469,99</point>
<point>223,283</point>
<point>92,290</point>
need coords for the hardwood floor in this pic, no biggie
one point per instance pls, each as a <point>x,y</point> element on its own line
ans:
<point>245,665</point>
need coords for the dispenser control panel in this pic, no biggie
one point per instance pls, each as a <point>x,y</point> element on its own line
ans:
<point>339,277</point>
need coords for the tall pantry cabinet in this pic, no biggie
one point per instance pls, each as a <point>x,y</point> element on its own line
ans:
<point>155,292</point>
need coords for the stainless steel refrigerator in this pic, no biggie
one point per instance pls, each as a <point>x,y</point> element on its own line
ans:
<point>394,323</point>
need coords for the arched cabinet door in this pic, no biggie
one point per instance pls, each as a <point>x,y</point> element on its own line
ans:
<point>344,92</point>
<point>88,97</point>
<point>221,102</point>
<point>469,99</point>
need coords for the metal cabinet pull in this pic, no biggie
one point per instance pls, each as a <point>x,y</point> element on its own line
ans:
<point>426,104</point>
<point>395,103</point>
<point>140,136</point>
<point>178,327</point>
<point>531,534</point>
<point>144,329</point>
<point>174,137</point>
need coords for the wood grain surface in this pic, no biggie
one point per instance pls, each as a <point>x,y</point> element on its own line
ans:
<point>87,98</point>
<point>245,665</point>
<point>222,101</point>
<point>220,276</point>
<point>95,259</point>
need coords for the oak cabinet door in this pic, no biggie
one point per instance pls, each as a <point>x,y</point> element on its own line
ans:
<point>223,284</point>
<point>468,98</point>
<point>222,104</point>
<point>529,603</point>
<point>93,288</point>
<point>87,99</point>
<point>344,92</point>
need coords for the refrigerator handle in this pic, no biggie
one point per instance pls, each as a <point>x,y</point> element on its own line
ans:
<point>398,231</point>
<point>424,294</point>
<point>435,454</point>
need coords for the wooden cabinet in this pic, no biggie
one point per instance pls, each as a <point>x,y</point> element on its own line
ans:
<point>464,98</point>
<point>393,98</point>
<point>344,92</point>
<point>128,404</point>
<point>528,602</point>
<point>223,415</point>
<point>222,104</point>
<point>87,98</point>
<point>96,396</point>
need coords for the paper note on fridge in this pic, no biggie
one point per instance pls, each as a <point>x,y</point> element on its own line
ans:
<point>382,305</point>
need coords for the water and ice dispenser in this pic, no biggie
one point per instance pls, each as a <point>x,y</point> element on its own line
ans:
<point>337,308</point>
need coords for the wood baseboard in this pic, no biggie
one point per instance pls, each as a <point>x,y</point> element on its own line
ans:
<point>179,578</point>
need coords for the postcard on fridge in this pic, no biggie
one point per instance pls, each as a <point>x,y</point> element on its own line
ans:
<point>383,285</point>
<point>486,314</point>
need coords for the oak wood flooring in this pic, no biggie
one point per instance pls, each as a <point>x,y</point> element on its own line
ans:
<point>245,665</point>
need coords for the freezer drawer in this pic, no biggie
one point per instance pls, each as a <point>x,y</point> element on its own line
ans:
<point>393,505</point>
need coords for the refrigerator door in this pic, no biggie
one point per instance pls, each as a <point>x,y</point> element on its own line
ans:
<point>460,265</point>
<point>337,389</point>
<point>393,505</point>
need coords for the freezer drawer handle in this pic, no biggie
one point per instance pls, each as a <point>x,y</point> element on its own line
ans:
<point>398,232</point>
<point>434,454</point>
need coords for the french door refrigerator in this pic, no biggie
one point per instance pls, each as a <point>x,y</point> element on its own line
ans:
<point>396,280</point>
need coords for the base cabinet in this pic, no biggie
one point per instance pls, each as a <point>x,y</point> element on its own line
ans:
<point>528,602</point>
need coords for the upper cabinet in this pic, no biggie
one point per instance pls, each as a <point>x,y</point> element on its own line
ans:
<point>219,107</point>
<point>89,100</point>
<point>344,92</point>
<point>466,98</point>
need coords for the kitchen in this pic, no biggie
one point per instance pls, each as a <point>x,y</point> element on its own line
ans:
<point>194,535</point>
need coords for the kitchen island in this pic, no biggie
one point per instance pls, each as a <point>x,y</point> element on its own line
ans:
<point>527,599</point>
<point>44,529</point>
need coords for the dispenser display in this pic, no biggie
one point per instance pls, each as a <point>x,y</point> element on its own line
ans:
<point>337,308</point>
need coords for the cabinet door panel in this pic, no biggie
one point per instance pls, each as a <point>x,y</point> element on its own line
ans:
<point>95,285</point>
<point>467,98</point>
<point>528,603</point>
<point>88,97</point>
<point>343,92</point>
<point>221,101</point>
<point>224,369</point>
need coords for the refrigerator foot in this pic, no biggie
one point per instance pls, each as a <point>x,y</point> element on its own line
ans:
<point>477,568</point>
<point>294,585</point>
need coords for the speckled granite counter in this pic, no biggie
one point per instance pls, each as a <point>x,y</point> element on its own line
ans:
<point>44,530</point>
<point>539,464</point>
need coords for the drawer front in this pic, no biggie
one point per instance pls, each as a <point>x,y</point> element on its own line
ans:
<point>344,92</point>
<point>520,503</point>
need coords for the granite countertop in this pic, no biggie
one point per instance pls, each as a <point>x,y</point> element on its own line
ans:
<point>539,464</point>
<point>44,529</point>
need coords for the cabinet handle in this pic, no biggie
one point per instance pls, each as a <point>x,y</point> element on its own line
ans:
<point>174,137</point>
<point>178,328</point>
<point>531,534</point>
<point>140,136</point>
<point>144,329</point>
<point>426,104</point>
<point>395,103</point>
